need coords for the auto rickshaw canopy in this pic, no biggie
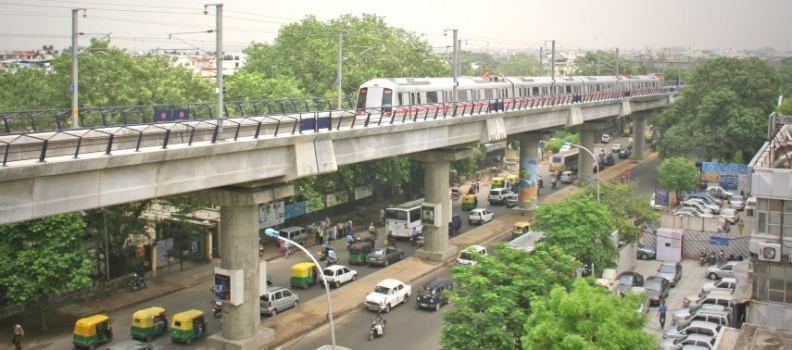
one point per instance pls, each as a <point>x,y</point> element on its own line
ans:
<point>360,246</point>
<point>522,225</point>
<point>183,320</point>
<point>302,269</point>
<point>497,182</point>
<point>145,317</point>
<point>512,178</point>
<point>87,326</point>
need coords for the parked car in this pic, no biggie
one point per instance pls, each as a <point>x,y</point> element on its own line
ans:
<point>696,327</point>
<point>605,138</point>
<point>691,341</point>
<point>730,215</point>
<point>718,192</point>
<point>750,205</point>
<point>616,148</point>
<point>512,199</point>
<point>645,252</point>
<point>568,177</point>
<point>133,345</point>
<point>705,197</point>
<point>471,255</point>
<point>657,288</point>
<point>700,207</point>
<point>431,294</point>
<point>625,153</point>
<point>337,275</point>
<point>715,209</point>
<point>480,216</point>
<point>277,299</point>
<point>692,212</point>
<point>498,195</point>
<point>724,299</point>
<point>722,318</point>
<point>680,314</point>
<point>720,271</point>
<point>384,256</point>
<point>387,294</point>
<point>737,202</point>
<point>671,271</point>
<point>693,297</point>
<point>629,279</point>
<point>725,283</point>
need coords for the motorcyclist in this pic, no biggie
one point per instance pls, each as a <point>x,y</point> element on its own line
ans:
<point>553,182</point>
<point>332,256</point>
<point>372,229</point>
<point>540,181</point>
<point>350,239</point>
<point>414,236</point>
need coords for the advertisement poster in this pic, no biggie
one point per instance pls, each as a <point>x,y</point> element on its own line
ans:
<point>727,175</point>
<point>271,214</point>
<point>222,287</point>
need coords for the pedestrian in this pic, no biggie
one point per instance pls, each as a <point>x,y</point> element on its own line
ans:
<point>349,226</point>
<point>741,227</point>
<point>588,179</point>
<point>391,241</point>
<point>662,310</point>
<point>19,333</point>
<point>627,174</point>
<point>335,231</point>
<point>282,247</point>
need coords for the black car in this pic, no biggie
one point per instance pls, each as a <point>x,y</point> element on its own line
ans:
<point>384,256</point>
<point>629,279</point>
<point>431,294</point>
<point>625,153</point>
<point>657,288</point>
<point>645,252</point>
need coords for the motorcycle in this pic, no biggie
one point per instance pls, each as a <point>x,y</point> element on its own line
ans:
<point>703,258</point>
<point>553,184</point>
<point>377,328</point>
<point>137,281</point>
<point>711,259</point>
<point>217,309</point>
<point>721,257</point>
<point>331,259</point>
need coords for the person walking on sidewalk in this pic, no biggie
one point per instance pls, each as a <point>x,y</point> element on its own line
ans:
<point>662,311</point>
<point>741,227</point>
<point>19,333</point>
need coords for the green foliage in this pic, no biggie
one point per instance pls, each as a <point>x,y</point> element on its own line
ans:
<point>581,227</point>
<point>677,174</point>
<point>786,106</point>
<point>519,64</point>
<point>469,166</point>
<point>493,298</point>
<point>43,257</point>
<point>785,77</point>
<point>561,137</point>
<point>246,85</point>
<point>587,318</point>
<point>588,62</point>
<point>627,210</point>
<point>308,51</point>
<point>723,110</point>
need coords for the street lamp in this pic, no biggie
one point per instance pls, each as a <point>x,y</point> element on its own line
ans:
<point>274,234</point>
<point>596,164</point>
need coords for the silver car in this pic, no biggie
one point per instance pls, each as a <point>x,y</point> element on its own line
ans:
<point>737,202</point>
<point>277,299</point>
<point>720,271</point>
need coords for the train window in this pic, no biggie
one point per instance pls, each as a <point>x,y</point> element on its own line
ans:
<point>418,98</point>
<point>463,95</point>
<point>401,103</point>
<point>431,97</point>
<point>387,98</point>
<point>361,102</point>
<point>412,98</point>
<point>489,94</point>
<point>535,91</point>
<point>569,89</point>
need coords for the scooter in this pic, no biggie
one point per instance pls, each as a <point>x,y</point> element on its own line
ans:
<point>217,309</point>
<point>377,328</point>
<point>331,260</point>
<point>137,281</point>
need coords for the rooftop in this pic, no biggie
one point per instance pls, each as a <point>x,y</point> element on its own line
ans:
<point>753,337</point>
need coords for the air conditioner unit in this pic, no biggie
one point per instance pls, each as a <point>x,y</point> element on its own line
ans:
<point>770,252</point>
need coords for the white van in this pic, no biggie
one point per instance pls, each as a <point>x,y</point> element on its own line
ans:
<point>469,255</point>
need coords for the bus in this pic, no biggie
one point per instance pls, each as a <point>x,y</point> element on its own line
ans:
<point>400,219</point>
<point>565,161</point>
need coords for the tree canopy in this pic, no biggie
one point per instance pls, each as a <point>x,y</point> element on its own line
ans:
<point>626,208</point>
<point>493,298</point>
<point>581,227</point>
<point>43,257</point>
<point>588,63</point>
<point>677,174</point>
<point>723,110</point>
<point>586,318</point>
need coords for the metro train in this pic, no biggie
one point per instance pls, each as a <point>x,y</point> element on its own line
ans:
<point>384,95</point>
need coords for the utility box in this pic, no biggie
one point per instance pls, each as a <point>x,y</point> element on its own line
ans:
<point>669,244</point>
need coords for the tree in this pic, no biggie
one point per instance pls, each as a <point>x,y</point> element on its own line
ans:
<point>519,64</point>
<point>677,174</point>
<point>786,107</point>
<point>785,77</point>
<point>588,63</point>
<point>587,318</point>
<point>723,109</point>
<point>493,298</point>
<point>581,227</point>
<point>627,210</point>
<point>39,258</point>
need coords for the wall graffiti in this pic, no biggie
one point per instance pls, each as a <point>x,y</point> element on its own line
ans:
<point>727,175</point>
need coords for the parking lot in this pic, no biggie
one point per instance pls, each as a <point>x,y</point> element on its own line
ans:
<point>692,279</point>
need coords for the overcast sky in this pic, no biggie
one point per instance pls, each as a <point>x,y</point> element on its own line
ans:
<point>140,25</point>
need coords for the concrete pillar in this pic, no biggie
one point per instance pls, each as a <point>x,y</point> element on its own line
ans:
<point>437,165</point>
<point>529,170</point>
<point>585,162</point>
<point>238,247</point>
<point>639,140</point>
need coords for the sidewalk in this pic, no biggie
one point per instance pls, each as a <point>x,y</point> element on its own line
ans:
<point>311,313</point>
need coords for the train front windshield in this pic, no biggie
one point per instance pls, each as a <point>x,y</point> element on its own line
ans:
<point>378,99</point>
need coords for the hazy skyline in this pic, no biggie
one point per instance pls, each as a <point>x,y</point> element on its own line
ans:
<point>509,24</point>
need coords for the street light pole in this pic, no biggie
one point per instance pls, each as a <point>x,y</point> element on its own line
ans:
<point>595,164</point>
<point>218,65</point>
<point>75,71</point>
<point>272,233</point>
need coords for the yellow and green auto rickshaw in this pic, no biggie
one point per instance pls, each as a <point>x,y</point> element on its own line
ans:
<point>358,252</point>
<point>304,275</point>
<point>497,182</point>
<point>89,332</point>
<point>512,179</point>
<point>469,202</point>
<point>187,325</point>
<point>520,228</point>
<point>149,323</point>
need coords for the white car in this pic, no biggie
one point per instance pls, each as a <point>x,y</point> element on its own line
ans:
<point>616,148</point>
<point>387,294</point>
<point>716,209</point>
<point>564,148</point>
<point>737,202</point>
<point>701,208</point>
<point>337,275</point>
<point>730,215</point>
<point>725,283</point>
<point>690,211</point>
<point>605,138</point>
<point>719,192</point>
<point>480,216</point>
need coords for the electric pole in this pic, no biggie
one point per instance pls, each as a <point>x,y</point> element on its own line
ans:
<point>218,66</point>
<point>552,65</point>
<point>454,68</point>
<point>75,70</point>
